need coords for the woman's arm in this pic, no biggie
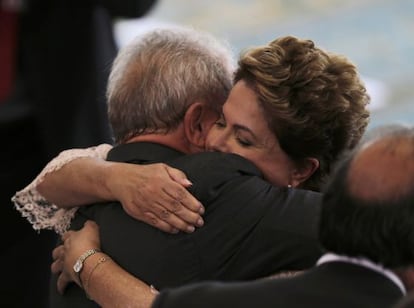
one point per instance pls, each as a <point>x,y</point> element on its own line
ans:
<point>154,194</point>
<point>102,279</point>
<point>41,213</point>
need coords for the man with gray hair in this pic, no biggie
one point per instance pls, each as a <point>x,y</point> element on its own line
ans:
<point>162,83</point>
<point>156,78</point>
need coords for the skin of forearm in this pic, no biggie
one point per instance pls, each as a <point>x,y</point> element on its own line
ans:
<point>81,181</point>
<point>111,286</point>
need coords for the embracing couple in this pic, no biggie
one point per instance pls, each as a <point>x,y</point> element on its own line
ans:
<point>252,144</point>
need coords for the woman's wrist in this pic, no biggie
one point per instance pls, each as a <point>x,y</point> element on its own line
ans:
<point>90,266</point>
<point>95,267</point>
<point>106,172</point>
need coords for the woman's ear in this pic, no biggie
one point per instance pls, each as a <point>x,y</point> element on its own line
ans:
<point>197,123</point>
<point>304,171</point>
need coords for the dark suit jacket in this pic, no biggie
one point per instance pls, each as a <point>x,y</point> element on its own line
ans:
<point>251,229</point>
<point>330,285</point>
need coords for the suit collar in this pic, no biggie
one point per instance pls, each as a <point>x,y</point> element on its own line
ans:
<point>142,153</point>
<point>364,262</point>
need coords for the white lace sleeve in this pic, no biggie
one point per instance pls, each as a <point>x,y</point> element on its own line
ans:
<point>38,211</point>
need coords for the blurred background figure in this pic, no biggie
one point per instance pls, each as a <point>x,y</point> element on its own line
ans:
<point>55,57</point>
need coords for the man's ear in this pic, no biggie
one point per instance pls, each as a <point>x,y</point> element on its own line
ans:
<point>197,123</point>
<point>304,171</point>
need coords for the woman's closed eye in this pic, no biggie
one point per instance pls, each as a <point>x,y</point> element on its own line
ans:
<point>243,141</point>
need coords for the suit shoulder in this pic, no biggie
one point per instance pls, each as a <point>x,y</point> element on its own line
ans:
<point>216,162</point>
<point>210,172</point>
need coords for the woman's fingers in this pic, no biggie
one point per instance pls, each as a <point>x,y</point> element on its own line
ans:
<point>58,252</point>
<point>177,198</point>
<point>173,212</point>
<point>160,190</point>
<point>154,221</point>
<point>178,176</point>
<point>66,235</point>
<point>62,282</point>
<point>168,209</point>
<point>57,266</point>
<point>176,224</point>
<point>65,255</point>
<point>179,195</point>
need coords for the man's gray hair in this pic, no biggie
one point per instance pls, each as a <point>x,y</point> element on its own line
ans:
<point>156,77</point>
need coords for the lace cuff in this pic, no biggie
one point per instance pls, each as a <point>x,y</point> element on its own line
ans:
<point>38,211</point>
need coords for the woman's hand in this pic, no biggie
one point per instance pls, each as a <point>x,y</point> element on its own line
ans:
<point>155,194</point>
<point>75,243</point>
<point>110,285</point>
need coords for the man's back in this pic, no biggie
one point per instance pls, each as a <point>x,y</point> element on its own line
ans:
<point>251,228</point>
<point>333,284</point>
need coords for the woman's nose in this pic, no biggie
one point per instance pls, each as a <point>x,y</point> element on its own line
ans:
<point>219,144</point>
